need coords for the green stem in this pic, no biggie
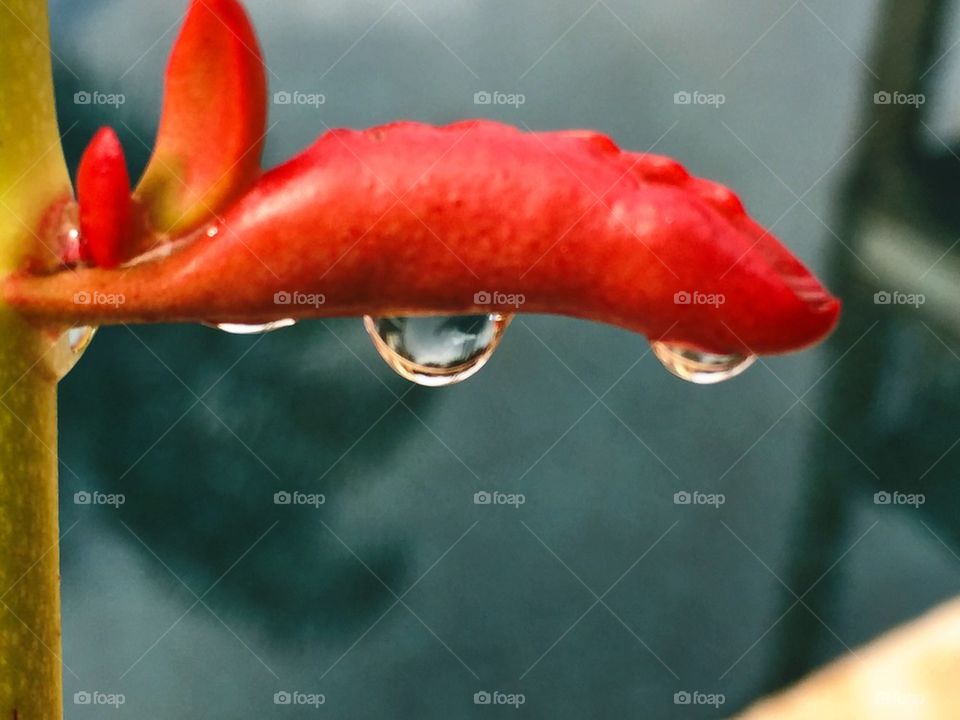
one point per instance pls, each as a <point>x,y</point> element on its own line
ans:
<point>32,177</point>
<point>30,666</point>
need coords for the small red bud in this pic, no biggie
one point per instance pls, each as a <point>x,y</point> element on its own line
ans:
<point>103,192</point>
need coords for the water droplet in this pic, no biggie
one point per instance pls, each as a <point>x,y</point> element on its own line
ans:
<point>437,351</point>
<point>68,234</point>
<point>79,338</point>
<point>69,348</point>
<point>700,367</point>
<point>239,329</point>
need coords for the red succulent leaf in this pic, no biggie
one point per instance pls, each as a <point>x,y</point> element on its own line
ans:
<point>103,193</point>
<point>212,128</point>
<point>413,219</point>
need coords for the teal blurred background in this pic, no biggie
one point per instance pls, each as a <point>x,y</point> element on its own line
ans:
<point>599,596</point>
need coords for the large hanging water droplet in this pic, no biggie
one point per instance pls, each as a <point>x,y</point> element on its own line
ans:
<point>700,367</point>
<point>240,329</point>
<point>437,351</point>
<point>69,348</point>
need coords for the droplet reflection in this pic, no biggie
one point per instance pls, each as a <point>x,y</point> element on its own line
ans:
<point>437,351</point>
<point>700,367</point>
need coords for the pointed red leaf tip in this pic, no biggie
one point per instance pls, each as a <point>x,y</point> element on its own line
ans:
<point>103,194</point>
<point>212,127</point>
<point>475,217</point>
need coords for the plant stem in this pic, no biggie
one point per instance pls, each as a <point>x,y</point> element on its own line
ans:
<point>30,667</point>
<point>32,177</point>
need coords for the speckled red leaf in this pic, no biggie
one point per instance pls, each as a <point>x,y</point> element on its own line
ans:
<point>213,123</point>
<point>412,219</point>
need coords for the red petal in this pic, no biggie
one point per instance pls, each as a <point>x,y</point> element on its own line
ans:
<point>103,193</point>
<point>213,123</point>
<point>410,219</point>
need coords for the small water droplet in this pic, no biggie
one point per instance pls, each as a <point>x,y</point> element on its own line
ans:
<point>437,351</point>
<point>68,234</point>
<point>69,349</point>
<point>700,367</point>
<point>79,338</point>
<point>240,329</point>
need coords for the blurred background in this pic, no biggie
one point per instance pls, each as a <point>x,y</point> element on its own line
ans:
<point>600,596</point>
